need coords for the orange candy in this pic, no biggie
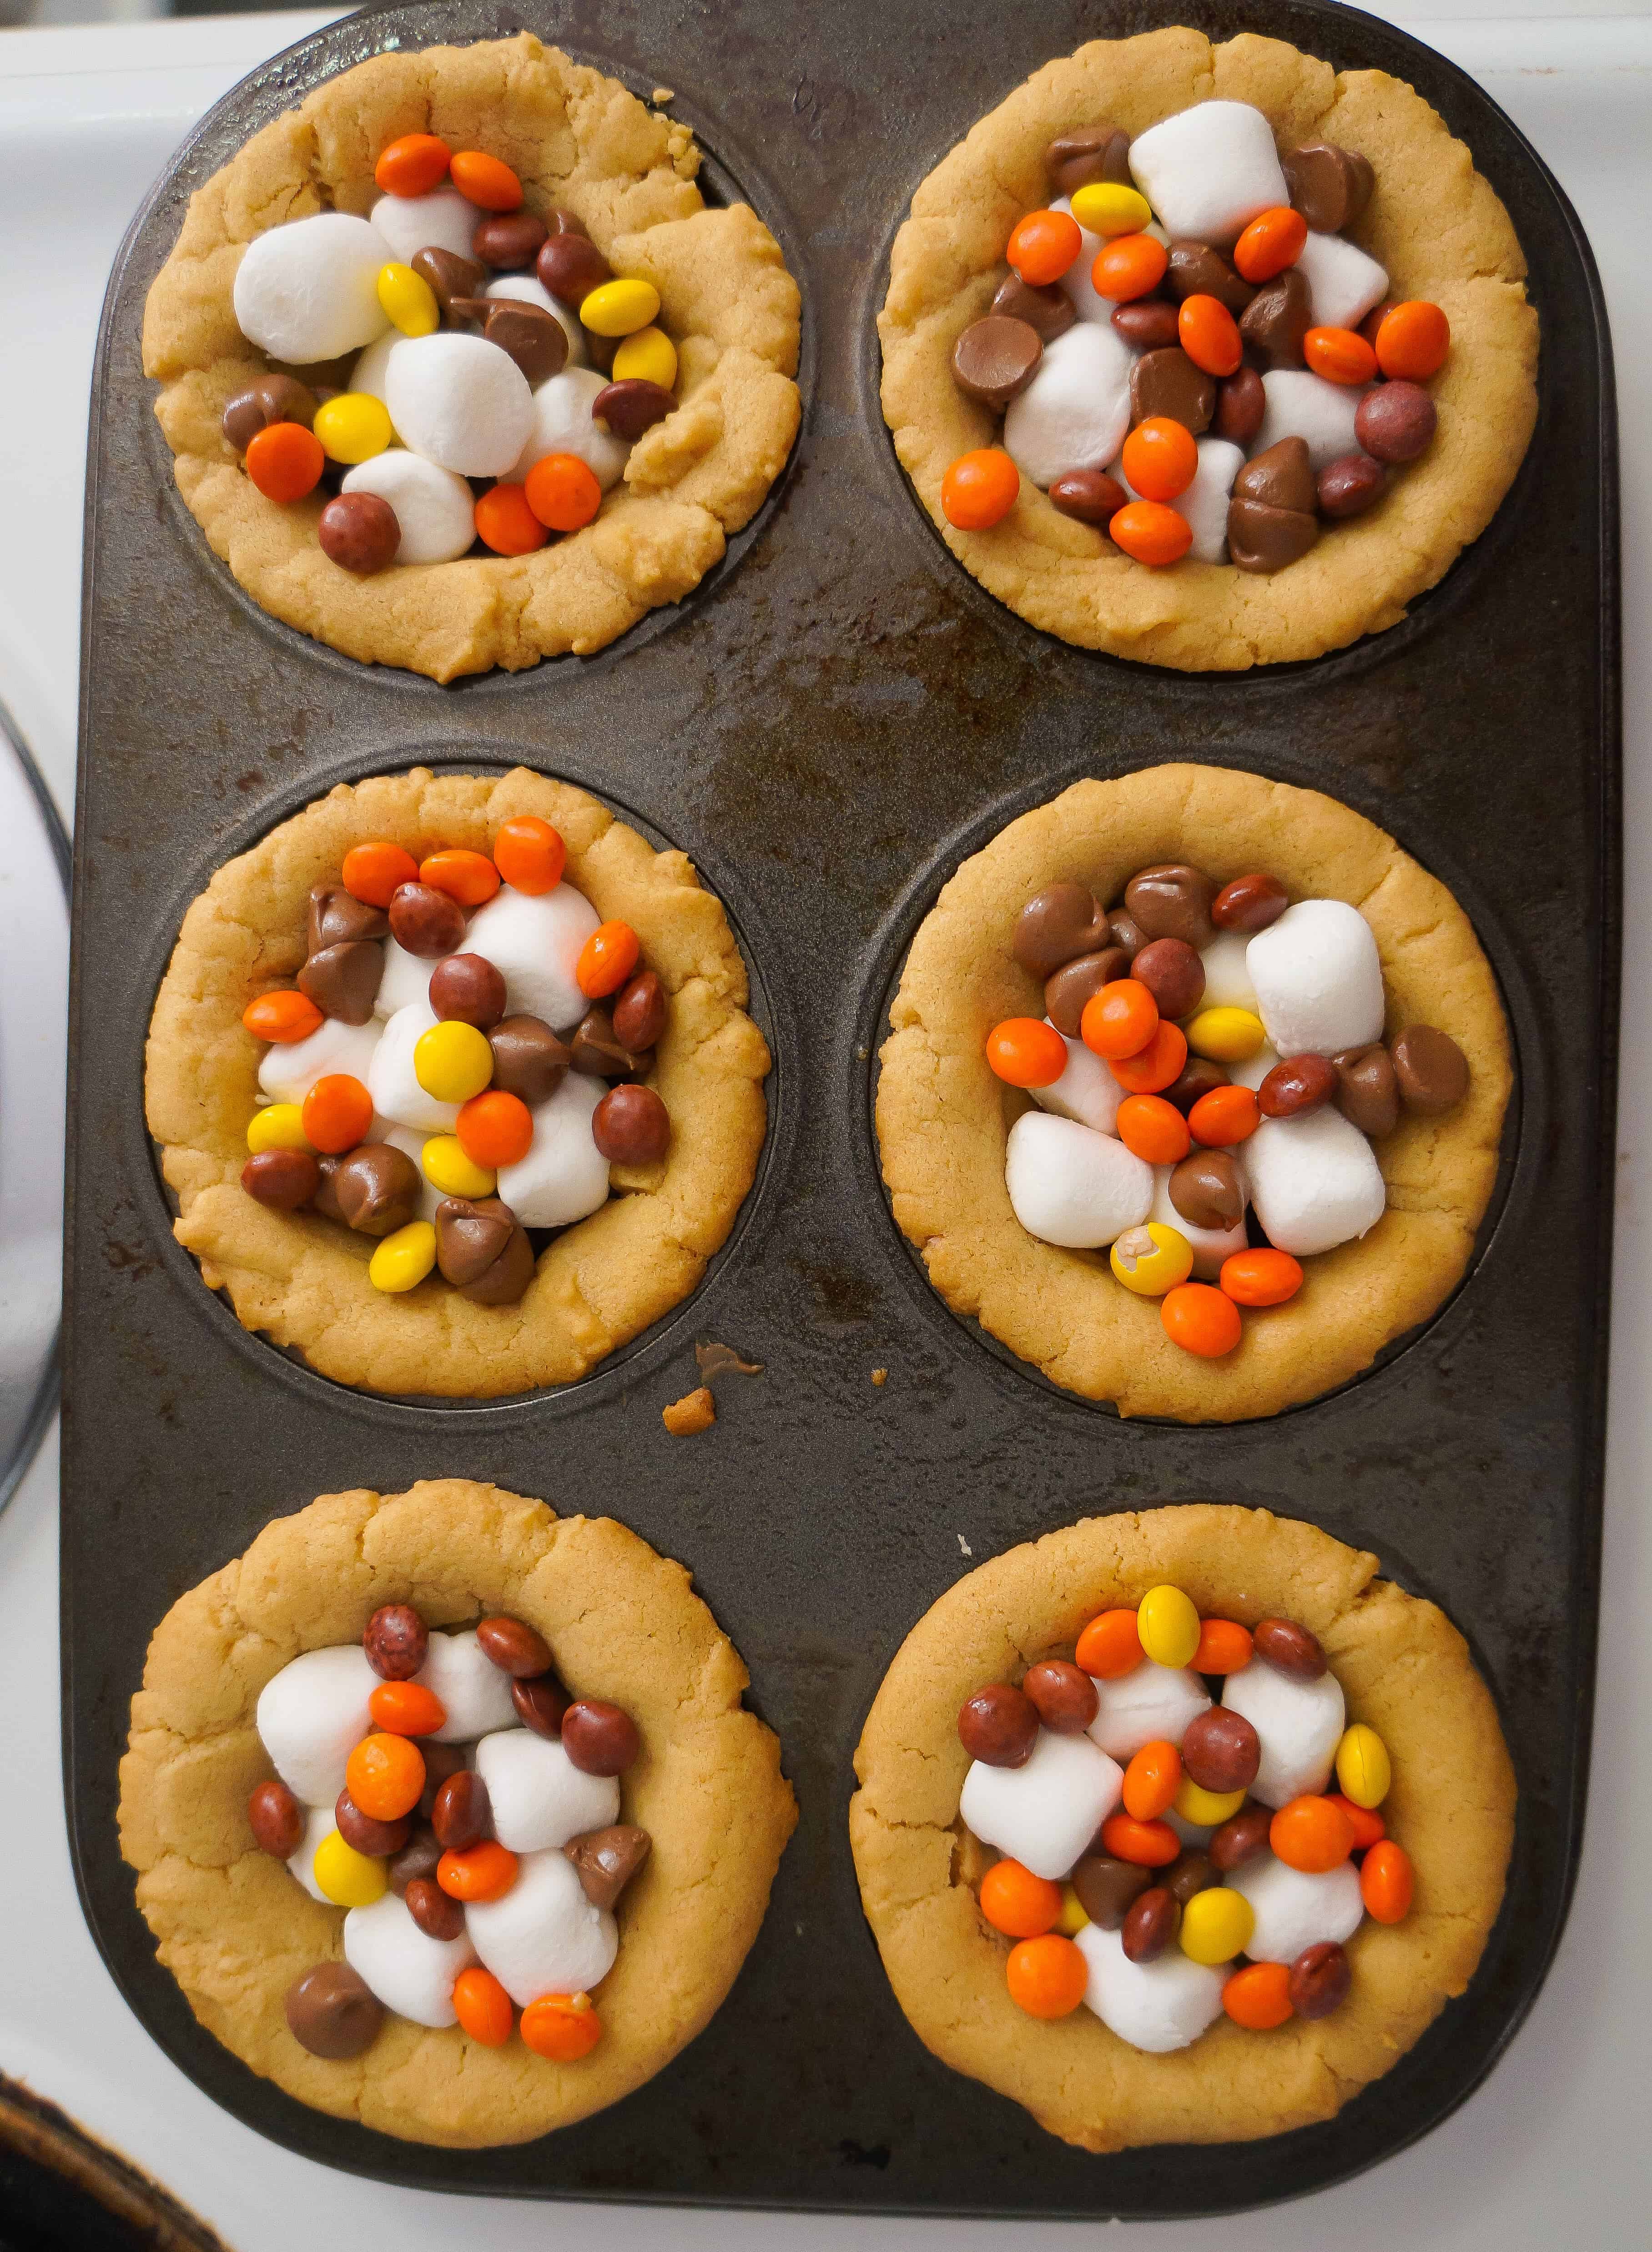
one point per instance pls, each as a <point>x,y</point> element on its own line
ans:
<point>1159,1064</point>
<point>1151,1782</point>
<point>607,959</point>
<point>1387,1881</point>
<point>1340,355</point>
<point>1259,1996</point>
<point>471,878</point>
<point>1226,1114</point>
<point>1127,268</point>
<point>374,873</point>
<point>1047,1976</point>
<point>495,1129</point>
<point>530,854</point>
<point>1312,1833</point>
<point>1110,1646</point>
<point>1272,242</point>
<point>485,180</point>
<point>1413,340</point>
<point>1368,1824</point>
<point>385,1774</point>
<point>505,523</point>
<point>285,461</point>
<point>1149,532</point>
<point>564,2027</point>
<point>562,491</point>
<point>1120,1019</point>
<point>1018,1903</point>
<point>1209,334</point>
<point>412,165</point>
<point>483,2006</point>
<point>1224,1647</point>
<point>1200,1320</point>
<point>1025,1052</point>
<point>339,1111</point>
<point>406,1708</point>
<point>1043,245</point>
<point>1150,1845</point>
<point>1153,1129</point>
<point>1161,458</point>
<point>284,1017</point>
<point>979,489</point>
<point>480,1872</point>
<point>1261,1278</point>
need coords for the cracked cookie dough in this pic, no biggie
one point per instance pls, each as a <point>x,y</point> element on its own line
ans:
<point>1406,1673</point>
<point>579,143</point>
<point>624,1625</point>
<point>944,1120</point>
<point>1437,233</point>
<point>303,1280</point>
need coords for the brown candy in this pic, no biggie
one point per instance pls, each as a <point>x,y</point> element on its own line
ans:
<point>1168,383</point>
<point>1277,319</point>
<point>600,1738</point>
<point>600,351</point>
<point>1349,486</point>
<point>1329,186</point>
<point>324,1200</point>
<point>381,1839</point>
<point>1281,477</point>
<point>640,1012</point>
<point>570,267</point>
<point>508,239</point>
<point>462,1815</point>
<point>471,1235</point>
<point>514,1647</point>
<point>1367,1089</point>
<point>1149,324</point>
<point>360,532</point>
<point>1289,1649</point>
<point>277,1819</point>
<point>606,1861</point>
<point>396,1642</point>
<point>1249,903</point>
<point>1171,902</point>
<point>999,1726</point>
<point>332,2011</point>
<point>1193,1871</point>
<point>631,1126</point>
<point>528,1059</point>
<point>597,1052</point>
<point>1320,1980</point>
<point>563,221</point>
<point>1207,1190</point>
<point>1196,270</point>
<point>1056,926</point>
<point>1240,404</point>
<point>1094,152</point>
<point>1221,1751</point>
<point>342,981</point>
<point>1241,1838</point>
<point>1296,1085</point>
<point>995,358</point>
<point>426,921</point>
<point>631,406</point>
<point>436,1913</point>
<point>1262,540</point>
<point>1065,993</point>
<point>1064,1696</point>
<point>1151,1924</point>
<point>448,275</point>
<point>504,1282</point>
<point>419,1857</point>
<point>1396,421</point>
<point>1107,1887</point>
<point>1431,1069</point>
<point>335,918</point>
<point>469,988</point>
<point>540,1705</point>
<point>283,1179</point>
<point>1199,1076</point>
<point>441,1761</point>
<point>1124,930</point>
<point>376,1189</point>
<point>272,399</point>
<point>1173,973</point>
<point>1089,496</point>
<point>1046,308</point>
<point>534,339</point>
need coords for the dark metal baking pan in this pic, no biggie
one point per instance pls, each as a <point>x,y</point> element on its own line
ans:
<point>827,730</point>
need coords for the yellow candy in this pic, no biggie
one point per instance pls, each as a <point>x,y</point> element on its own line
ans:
<point>448,1168</point>
<point>1169,1626</point>
<point>1363,1766</point>
<point>620,309</point>
<point>402,1261</point>
<point>648,356</point>
<point>1150,1273</point>
<point>277,1126</point>
<point>408,300</point>
<point>1215,1925</point>
<point>1108,208</point>
<point>349,1878</point>
<point>1073,1919</point>
<point>354,426</point>
<point>1207,1808</point>
<point>1226,1035</point>
<point>453,1060</point>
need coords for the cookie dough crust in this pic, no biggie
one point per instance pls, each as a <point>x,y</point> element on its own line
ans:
<point>578,140</point>
<point>303,1280</point>
<point>1434,223</point>
<point>943,1119</point>
<point>235,1929</point>
<point>1405,1669</point>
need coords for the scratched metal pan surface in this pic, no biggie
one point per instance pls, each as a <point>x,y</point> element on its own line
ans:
<point>828,727</point>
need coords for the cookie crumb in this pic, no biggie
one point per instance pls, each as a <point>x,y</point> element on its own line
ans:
<point>880,1376</point>
<point>964,1547</point>
<point>696,1411</point>
<point>664,93</point>
<point>714,1360</point>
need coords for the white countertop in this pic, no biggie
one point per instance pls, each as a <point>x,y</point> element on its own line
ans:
<point>1551,2151</point>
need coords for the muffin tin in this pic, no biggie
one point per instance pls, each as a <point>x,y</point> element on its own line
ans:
<point>828,730</point>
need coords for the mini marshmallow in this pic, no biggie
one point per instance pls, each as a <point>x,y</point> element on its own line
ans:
<point>527,290</point>
<point>1151,1703</point>
<point>1211,1245</point>
<point>309,291</point>
<point>543,1936</point>
<point>562,423</point>
<point>1074,412</point>
<point>1044,1813</point>
<point>405,980</point>
<point>1227,974</point>
<point>533,940</point>
<point>391,1078</point>
<point>474,1692</point>
<point>1315,1181</point>
<point>311,1716</point>
<point>287,1073</point>
<point>1072,1186</point>
<point>460,401</point>
<point>1190,1834</point>
<point>371,370</point>
<point>1156,2006</point>
<point>539,1798</point>
<point>1208,170</point>
<point>1343,282</point>
<point>1300,404</point>
<point>412,1144</point>
<point>1087,1090</point>
<point>1255,1068</point>
<point>1296,1909</point>
<point>319,1822</point>
<point>1318,979</point>
<point>565,1175</point>
<point>441,220</point>
<point>1087,301</point>
<point>1299,1724</point>
<point>1203,507</point>
<point>436,510</point>
<point>411,1972</point>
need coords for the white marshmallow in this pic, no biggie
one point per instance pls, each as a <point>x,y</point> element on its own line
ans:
<point>543,1936</point>
<point>1087,1090</point>
<point>527,290</point>
<point>565,1175</point>
<point>1156,2006</point>
<point>460,401</point>
<point>1071,1186</point>
<point>1190,1834</point>
<point>1203,507</point>
<point>412,1144</point>
<point>1074,412</point>
<point>1087,301</point>
<point>311,1716</point>
<point>1208,170</point>
<point>309,291</point>
<point>1255,1068</point>
<point>562,423</point>
<point>319,1822</point>
<point>1151,1704</point>
<point>393,1082</point>
<point>533,940</point>
<point>405,980</point>
<point>1045,1813</point>
<point>1315,1181</point>
<point>436,510</point>
<point>1211,1245</point>
<point>474,1692</point>
<point>1296,1909</point>
<point>1318,979</point>
<point>1227,974</point>
<point>411,1972</point>
<point>1301,405</point>
<point>441,220</point>
<point>1343,282</point>
<point>286,1075</point>
<point>371,371</point>
<point>1299,1724</point>
<point>539,1798</point>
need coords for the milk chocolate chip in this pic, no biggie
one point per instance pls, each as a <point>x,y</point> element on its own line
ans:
<point>1281,477</point>
<point>448,275</point>
<point>1172,902</point>
<point>1196,270</point>
<point>1124,930</point>
<point>1147,324</point>
<point>1240,404</point>
<point>481,1251</point>
<point>426,921</point>
<point>999,1726</point>
<point>508,239</point>
<point>1173,973</point>
<point>283,1180</point>
<point>1207,1190</point>
<point>599,1051</point>
<point>570,267</point>
<point>342,981</point>
<point>1277,319</point>
<point>1168,383</point>
<point>1056,926</point>
<point>1263,539</point>
<point>272,399</point>
<point>335,918</point>
<point>1432,1071</point>
<point>528,1059</point>
<point>1094,152</point>
<point>606,1861</point>
<point>1367,1090</point>
<point>534,339</point>
<point>1065,993</point>
<point>376,1189</point>
<point>1089,496</point>
<point>1329,186</point>
<point>1046,308</point>
<point>468,987</point>
<point>995,358</point>
<point>332,2011</point>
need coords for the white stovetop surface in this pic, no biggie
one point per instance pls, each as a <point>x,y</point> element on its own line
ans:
<point>1551,2150</point>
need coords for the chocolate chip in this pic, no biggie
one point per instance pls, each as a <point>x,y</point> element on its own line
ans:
<point>1205,1188</point>
<point>1320,1980</point>
<point>640,1012</point>
<point>332,2011</point>
<point>1124,930</point>
<point>462,1814</point>
<point>1329,186</point>
<point>1249,903</point>
<point>376,1189</point>
<point>272,399</point>
<point>516,1648</point>
<point>540,1705</point>
<point>1064,1695</point>
<point>1277,319</point>
<point>528,1060</point>
<point>600,1738</point>
<point>1089,496</point>
<point>360,532</point>
<point>506,1283</point>
<point>448,275</point>
<point>441,1761</point>
<point>1171,902</point>
<point>999,1726</point>
<point>1168,383</point>
<point>1046,308</point>
<point>600,351</point>
<point>1149,324</point>
<point>1432,1070</point>
<point>1396,421</point>
<point>1241,1838</point>
<point>1191,1873</point>
<point>1240,404</point>
<point>606,1861</point>
<point>1221,1751</point>
<point>570,267</point>
<point>468,987</point>
<point>1289,1649</point>
<point>335,918</point>
<point>1065,993</point>
<point>436,1913</point>
<point>419,1857</point>
<point>426,921</point>
<point>380,1839</point>
<point>471,1236</point>
<point>1281,477</point>
<point>277,1819</point>
<point>1173,973</point>
<point>283,1180</point>
<point>396,1642</point>
<point>563,221</point>
<point>1196,270</point>
<point>534,339</point>
<point>342,981</point>
<point>1094,152</point>
<point>1297,1087</point>
<point>995,359</point>
<point>1058,924</point>
<point>596,1051</point>
<point>1367,1089</point>
<point>508,239</point>
<point>1151,1924</point>
<point>470,309</point>
<point>1349,486</point>
<point>631,406</point>
<point>631,1126</point>
<point>1107,1887</point>
<point>1263,539</point>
